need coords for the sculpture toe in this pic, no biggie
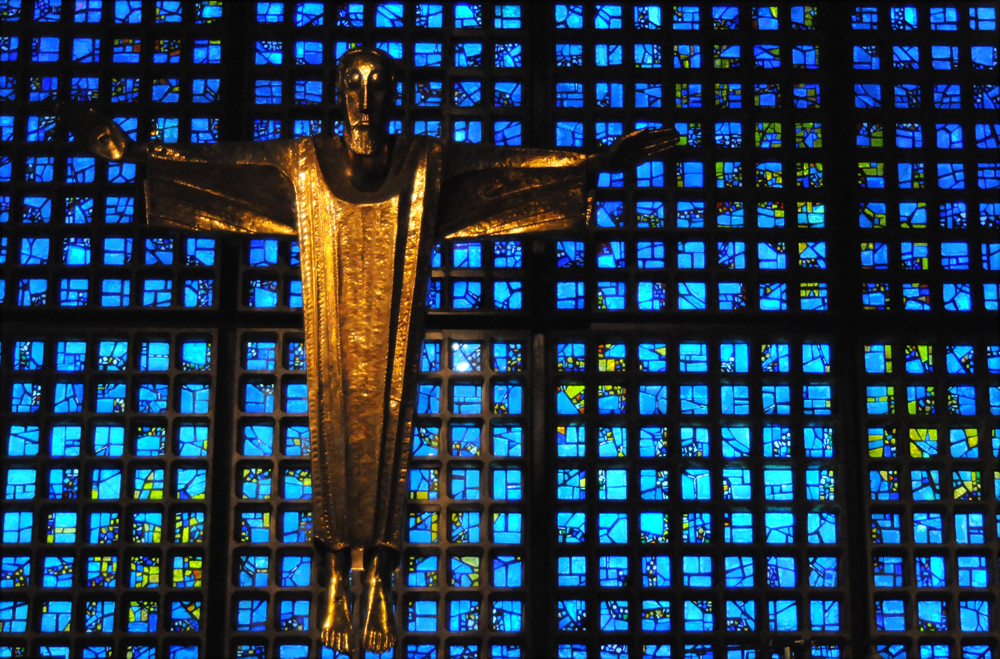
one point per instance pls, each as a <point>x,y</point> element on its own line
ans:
<point>379,642</point>
<point>336,637</point>
<point>337,640</point>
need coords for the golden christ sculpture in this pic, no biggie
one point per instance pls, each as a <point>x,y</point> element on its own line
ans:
<point>367,209</point>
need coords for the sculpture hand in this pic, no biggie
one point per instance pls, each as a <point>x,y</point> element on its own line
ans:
<point>98,134</point>
<point>636,147</point>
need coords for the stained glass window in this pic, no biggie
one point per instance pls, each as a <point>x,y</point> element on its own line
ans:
<point>661,448</point>
<point>929,508</point>
<point>123,494</point>
<point>644,440</point>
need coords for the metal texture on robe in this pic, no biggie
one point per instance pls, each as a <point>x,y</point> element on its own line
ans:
<point>360,276</point>
<point>365,260</point>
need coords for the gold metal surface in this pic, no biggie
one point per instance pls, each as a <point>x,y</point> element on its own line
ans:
<point>337,631</point>
<point>367,210</point>
<point>379,622</point>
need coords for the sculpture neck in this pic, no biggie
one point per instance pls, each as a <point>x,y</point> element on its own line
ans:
<point>367,173</point>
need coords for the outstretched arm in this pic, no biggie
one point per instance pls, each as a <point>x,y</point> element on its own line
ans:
<point>99,134</point>
<point>639,146</point>
<point>103,137</point>
<point>496,191</point>
<point>629,150</point>
<point>207,187</point>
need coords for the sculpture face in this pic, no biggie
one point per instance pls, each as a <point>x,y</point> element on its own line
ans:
<point>367,92</point>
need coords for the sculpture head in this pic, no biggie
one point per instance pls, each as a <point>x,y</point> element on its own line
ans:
<point>366,80</point>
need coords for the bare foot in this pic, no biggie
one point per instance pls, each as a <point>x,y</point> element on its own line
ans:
<point>337,632</point>
<point>380,624</point>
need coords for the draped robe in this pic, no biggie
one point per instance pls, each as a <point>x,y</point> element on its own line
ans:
<point>365,264</point>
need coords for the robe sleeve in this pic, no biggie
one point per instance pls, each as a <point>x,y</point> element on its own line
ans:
<point>497,191</point>
<point>239,187</point>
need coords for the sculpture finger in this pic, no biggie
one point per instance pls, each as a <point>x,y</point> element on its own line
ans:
<point>83,127</point>
<point>87,125</point>
<point>72,122</point>
<point>659,147</point>
<point>86,120</point>
<point>64,114</point>
<point>664,135</point>
<point>663,145</point>
<point>650,153</point>
<point>90,126</point>
<point>660,135</point>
